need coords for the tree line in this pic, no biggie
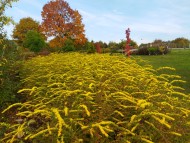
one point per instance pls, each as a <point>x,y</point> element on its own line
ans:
<point>62,30</point>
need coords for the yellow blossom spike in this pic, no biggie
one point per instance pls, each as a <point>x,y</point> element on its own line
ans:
<point>86,109</point>
<point>102,131</point>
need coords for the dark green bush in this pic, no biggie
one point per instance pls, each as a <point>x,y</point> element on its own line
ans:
<point>9,83</point>
<point>106,50</point>
<point>142,51</point>
<point>90,48</point>
<point>68,46</point>
<point>34,41</point>
<point>9,78</point>
<point>152,50</point>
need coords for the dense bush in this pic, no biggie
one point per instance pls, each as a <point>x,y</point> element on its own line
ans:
<point>68,46</point>
<point>90,47</point>
<point>8,49</point>
<point>9,83</point>
<point>143,51</point>
<point>152,50</point>
<point>8,73</point>
<point>97,98</point>
<point>106,50</point>
<point>34,41</point>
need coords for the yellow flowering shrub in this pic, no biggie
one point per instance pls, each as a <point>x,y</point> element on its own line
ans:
<point>98,98</point>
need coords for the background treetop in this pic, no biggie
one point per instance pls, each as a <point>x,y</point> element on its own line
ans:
<point>62,22</point>
<point>25,25</point>
<point>5,20</point>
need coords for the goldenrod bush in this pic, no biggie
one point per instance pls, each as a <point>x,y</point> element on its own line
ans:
<point>97,98</point>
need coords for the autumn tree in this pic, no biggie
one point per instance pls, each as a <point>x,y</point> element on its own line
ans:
<point>103,44</point>
<point>21,29</point>
<point>98,47</point>
<point>62,22</point>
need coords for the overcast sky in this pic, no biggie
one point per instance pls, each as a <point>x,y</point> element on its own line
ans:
<point>107,20</point>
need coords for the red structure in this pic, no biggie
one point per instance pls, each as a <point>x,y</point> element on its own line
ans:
<point>127,48</point>
<point>98,48</point>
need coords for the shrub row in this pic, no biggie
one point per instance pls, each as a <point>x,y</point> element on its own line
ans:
<point>152,50</point>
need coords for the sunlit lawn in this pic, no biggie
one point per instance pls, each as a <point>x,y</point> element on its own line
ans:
<point>178,59</point>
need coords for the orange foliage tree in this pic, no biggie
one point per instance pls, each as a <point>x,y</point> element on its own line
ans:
<point>62,22</point>
<point>21,29</point>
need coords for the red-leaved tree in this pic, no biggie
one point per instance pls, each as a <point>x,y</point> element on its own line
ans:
<point>98,48</point>
<point>62,22</point>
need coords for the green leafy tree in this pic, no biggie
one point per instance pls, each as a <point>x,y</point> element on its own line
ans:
<point>90,48</point>
<point>181,42</point>
<point>112,45</point>
<point>34,41</point>
<point>157,41</point>
<point>21,29</point>
<point>122,44</point>
<point>68,45</point>
<point>133,44</point>
<point>4,20</point>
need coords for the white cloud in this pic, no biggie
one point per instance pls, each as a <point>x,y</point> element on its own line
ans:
<point>17,13</point>
<point>20,13</point>
<point>114,17</point>
<point>157,28</point>
<point>87,15</point>
<point>102,19</point>
<point>110,26</point>
<point>151,24</point>
<point>117,12</point>
<point>33,3</point>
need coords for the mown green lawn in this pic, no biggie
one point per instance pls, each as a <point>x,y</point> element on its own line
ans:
<point>178,59</point>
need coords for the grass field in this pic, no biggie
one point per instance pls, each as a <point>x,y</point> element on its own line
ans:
<point>178,59</point>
